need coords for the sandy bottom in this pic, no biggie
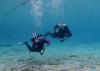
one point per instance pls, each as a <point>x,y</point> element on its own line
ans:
<point>83,57</point>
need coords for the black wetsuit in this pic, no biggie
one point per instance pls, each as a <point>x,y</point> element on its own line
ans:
<point>60,32</point>
<point>37,46</point>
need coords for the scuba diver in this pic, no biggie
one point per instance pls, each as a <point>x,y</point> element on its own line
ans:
<point>38,43</point>
<point>60,31</point>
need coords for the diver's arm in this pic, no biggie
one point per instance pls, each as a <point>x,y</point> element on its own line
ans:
<point>69,34</point>
<point>55,28</point>
<point>47,42</point>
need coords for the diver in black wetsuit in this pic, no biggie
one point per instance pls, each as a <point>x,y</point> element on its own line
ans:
<point>38,43</point>
<point>60,31</point>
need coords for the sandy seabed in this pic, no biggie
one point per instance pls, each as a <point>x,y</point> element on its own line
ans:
<point>80,61</point>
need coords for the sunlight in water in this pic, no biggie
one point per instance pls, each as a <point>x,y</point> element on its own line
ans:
<point>37,12</point>
<point>57,7</point>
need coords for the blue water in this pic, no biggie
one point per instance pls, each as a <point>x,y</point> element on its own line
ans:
<point>82,17</point>
<point>19,18</point>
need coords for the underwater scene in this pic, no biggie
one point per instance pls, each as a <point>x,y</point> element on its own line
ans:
<point>50,35</point>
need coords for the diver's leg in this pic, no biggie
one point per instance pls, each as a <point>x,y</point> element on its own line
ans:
<point>60,36</point>
<point>41,51</point>
<point>67,32</point>
<point>68,35</point>
<point>29,47</point>
<point>62,39</point>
